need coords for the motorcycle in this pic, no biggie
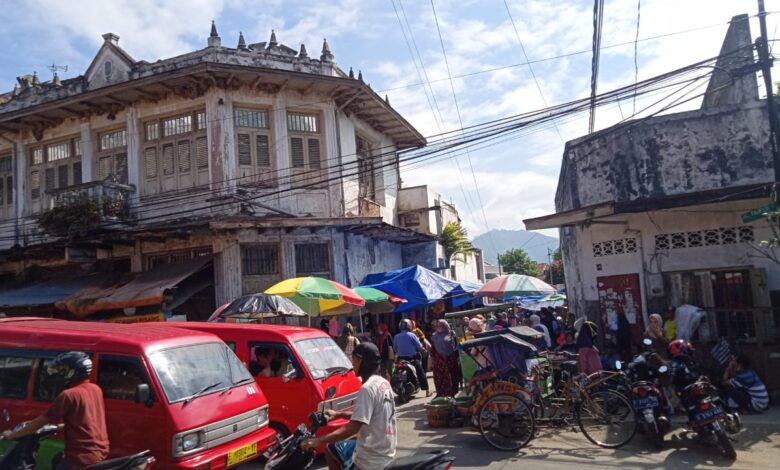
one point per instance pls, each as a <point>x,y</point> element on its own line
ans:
<point>404,381</point>
<point>22,455</point>
<point>645,373</point>
<point>288,454</point>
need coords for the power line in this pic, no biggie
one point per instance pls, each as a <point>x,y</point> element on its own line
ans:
<point>598,22</point>
<point>530,68</point>
<point>636,40</point>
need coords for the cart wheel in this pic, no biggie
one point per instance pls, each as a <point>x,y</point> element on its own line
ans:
<point>607,418</point>
<point>506,422</point>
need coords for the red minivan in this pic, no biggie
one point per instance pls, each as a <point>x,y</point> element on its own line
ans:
<point>309,365</point>
<point>182,394</point>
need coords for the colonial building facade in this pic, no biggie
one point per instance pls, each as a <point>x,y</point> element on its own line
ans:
<point>272,162</point>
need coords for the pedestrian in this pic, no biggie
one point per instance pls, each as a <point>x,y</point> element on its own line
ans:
<point>742,388</point>
<point>80,407</point>
<point>408,347</point>
<point>384,342</point>
<point>373,421</point>
<point>447,374</point>
<point>655,333</point>
<point>537,325</point>
<point>588,358</point>
<point>348,341</point>
<point>333,327</point>
<point>548,320</point>
<point>670,325</point>
<point>425,352</point>
<point>623,337</point>
<point>324,325</point>
<point>502,321</point>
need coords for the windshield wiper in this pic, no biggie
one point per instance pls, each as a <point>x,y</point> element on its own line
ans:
<point>337,370</point>
<point>201,392</point>
<point>243,381</point>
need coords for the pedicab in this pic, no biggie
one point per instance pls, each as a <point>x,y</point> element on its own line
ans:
<point>497,403</point>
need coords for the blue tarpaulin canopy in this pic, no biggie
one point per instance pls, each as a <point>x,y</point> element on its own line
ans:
<point>421,287</point>
<point>43,293</point>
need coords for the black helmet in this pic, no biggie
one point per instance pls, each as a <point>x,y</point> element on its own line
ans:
<point>71,366</point>
<point>405,325</point>
<point>370,360</point>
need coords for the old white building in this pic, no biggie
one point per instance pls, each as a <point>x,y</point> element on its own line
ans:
<point>654,214</point>
<point>273,162</point>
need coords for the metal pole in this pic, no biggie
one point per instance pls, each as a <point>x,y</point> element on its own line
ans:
<point>766,71</point>
<point>549,264</point>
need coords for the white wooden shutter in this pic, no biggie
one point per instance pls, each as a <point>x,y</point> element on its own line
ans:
<point>263,150</point>
<point>150,162</point>
<point>184,157</point>
<point>104,168</point>
<point>202,152</point>
<point>35,184</point>
<point>167,160</point>
<point>244,149</point>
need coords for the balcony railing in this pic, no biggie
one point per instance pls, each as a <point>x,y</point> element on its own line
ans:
<point>112,198</point>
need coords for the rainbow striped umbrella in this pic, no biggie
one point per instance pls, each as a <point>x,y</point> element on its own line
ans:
<point>515,285</point>
<point>315,295</point>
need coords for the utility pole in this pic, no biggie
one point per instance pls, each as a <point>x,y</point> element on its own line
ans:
<point>549,264</point>
<point>766,70</point>
<point>498,258</point>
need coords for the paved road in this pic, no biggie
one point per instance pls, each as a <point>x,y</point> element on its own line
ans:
<point>758,447</point>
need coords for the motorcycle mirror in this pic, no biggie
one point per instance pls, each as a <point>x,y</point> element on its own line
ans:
<point>330,392</point>
<point>289,374</point>
<point>663,369</point>
<point>618,365</point>
<point>647,342</point>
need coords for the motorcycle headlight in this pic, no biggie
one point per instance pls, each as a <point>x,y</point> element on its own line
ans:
<point>262,416</point>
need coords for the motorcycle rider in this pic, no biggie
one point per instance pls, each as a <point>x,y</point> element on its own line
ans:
<point>682,367</point>
<point>80,407</point>
<point>373,420</point>
<point>408,347</point>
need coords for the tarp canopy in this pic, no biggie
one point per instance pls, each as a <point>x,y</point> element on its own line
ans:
<point>48,292</point>
<point>144,289</point>
<point>420,287</point>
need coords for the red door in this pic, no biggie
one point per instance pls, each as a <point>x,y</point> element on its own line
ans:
<point>621,295</point>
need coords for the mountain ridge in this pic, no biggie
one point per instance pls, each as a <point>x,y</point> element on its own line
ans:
<point>534,243</point>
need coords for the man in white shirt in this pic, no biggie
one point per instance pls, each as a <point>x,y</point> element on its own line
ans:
<point>373,420</point>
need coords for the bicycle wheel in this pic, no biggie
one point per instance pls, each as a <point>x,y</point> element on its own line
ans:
<point>506,422</point>
<point>607,418</point>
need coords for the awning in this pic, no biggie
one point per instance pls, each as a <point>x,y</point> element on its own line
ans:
<point>41,293</point>
<point>143,290</point>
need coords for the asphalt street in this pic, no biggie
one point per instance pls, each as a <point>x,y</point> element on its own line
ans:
<point>757,445</point>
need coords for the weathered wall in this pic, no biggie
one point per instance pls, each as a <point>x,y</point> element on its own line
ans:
<point>365,255</point>
<point>667,155</point>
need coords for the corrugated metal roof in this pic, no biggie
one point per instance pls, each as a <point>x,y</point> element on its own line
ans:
<point>41,293</point>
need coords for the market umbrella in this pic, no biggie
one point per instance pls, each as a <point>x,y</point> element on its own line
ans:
<point>515,285</point>
<point>378,301</point>
<point>259,306</point>
<point>316,295</point>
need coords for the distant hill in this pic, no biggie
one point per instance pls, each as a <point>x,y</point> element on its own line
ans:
<point>535,244</point>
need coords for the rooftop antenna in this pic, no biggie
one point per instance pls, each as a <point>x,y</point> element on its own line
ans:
<point>55,68</point>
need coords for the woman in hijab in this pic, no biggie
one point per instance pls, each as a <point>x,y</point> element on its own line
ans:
<point>384,342</point>
<point>424,353</point>
<point>536,324</point>
<point>588,359</point>
<point>347,341</point>
<point>446,367</point>
<point>655,333</point>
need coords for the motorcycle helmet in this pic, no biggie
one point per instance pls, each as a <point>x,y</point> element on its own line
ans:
<point>370,360</point>
<point>405,325</point>
<point>70,366</point>
<point>680,349</point>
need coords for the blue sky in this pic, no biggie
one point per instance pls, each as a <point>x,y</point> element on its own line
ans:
<point>517,178</point>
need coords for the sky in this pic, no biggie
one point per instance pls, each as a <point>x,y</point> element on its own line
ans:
<point>397,46</point>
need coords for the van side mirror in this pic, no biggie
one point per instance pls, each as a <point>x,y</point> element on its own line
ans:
<point>143,394</point>
<point>289,374</point>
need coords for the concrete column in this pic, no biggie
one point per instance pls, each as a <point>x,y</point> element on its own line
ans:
<point>227,269</point>
<point>88,144</point>
<point>134,158</point>
<point>223,165</point>
<point>20,178</point>
<point>137,259</point>
<point>331,149</point>
<point>282,155</point>
<point>288,258</point>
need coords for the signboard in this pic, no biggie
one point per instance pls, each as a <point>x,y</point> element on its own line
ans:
<point>759,213</point>
<point>138,318</point>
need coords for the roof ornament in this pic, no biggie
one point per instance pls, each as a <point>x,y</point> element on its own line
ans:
<point>360,75</point>
<point>214,39</point>
<point>273,42</point>
<point>56,80</point>
<point>327,55</point>
<point>387,100</point>
<point>303,54</point>
<point>351,73</point>
<point>35,80</point>
<point>241,42</point>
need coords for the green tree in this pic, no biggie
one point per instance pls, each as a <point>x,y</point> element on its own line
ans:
<point>455,241</point>
<point>558,277</point>
<point>517,261</point>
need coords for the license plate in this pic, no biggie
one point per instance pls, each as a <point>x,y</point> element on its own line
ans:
<point>708,415</point>
<point>645,402</point>
<point>242,453</point>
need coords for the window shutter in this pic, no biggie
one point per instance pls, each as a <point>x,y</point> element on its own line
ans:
<point>121,167</point>
<point>49,183</point>
<point>104,168</point>
<point>2,191</point>
<point>150,162</point>
<point>244,150</point>
<point>9,188</point>
<point>314,154</point>
<point>183,152</point>
<point>167,156</point>
<point>35,184</point>
<point>202,152</point>
<point>77,173</point>
<point>263,150</point>
<point>296,152</point>
<point>62,175</point>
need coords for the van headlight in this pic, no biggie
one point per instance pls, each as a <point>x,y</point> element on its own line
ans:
<point>262,416</point>
<point>186,443</point>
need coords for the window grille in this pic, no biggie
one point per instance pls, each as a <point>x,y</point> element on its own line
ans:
<point>260,259</point>
<point>312,258</point>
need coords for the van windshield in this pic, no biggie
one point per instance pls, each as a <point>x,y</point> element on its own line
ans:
<point>199,369</point>
<point>323,357</point>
